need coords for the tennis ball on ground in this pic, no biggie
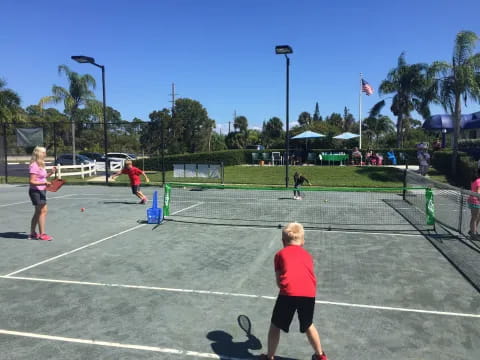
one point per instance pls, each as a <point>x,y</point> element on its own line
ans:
<point>325,200</point>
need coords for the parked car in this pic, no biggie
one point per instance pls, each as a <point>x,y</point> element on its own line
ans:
<point>117,156</point>
<point>67,159</point>
<point>93,155</point>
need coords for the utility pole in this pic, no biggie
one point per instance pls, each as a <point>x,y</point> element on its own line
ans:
<point>173,98</point>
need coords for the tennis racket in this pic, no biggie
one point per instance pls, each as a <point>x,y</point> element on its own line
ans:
<point>55,185</point>
<point>245,324</point>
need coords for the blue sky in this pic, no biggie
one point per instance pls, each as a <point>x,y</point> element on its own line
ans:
<point>221,52</point>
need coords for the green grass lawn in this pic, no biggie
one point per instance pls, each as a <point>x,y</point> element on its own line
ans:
<point>322,176</point>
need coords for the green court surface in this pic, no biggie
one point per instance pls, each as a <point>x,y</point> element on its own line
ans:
<point>110,286</point>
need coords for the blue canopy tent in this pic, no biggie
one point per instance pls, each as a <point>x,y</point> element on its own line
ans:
<point>473,122</point>
<point>444,123</point>
<point>346,136</point>
<point>440,122</point>
<point>307,135</point>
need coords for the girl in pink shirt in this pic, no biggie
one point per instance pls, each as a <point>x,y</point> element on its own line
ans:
<point>37,193</point>
<point>474,205</point>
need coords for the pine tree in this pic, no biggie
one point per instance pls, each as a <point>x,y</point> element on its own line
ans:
<point>316,114</point>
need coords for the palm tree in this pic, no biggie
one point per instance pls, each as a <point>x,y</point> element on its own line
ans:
<point>460,81</point>
<point>305,119</point>
<point>9,102</point>
<point>377,126</point>
<point>241,124</point>
<point>411,86</point>
<point>78,94</point>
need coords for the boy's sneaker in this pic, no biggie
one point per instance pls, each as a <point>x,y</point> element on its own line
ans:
<point>44,237</point>
<point>143,201</point>
<point>33,236</point>
<point>319,357</point>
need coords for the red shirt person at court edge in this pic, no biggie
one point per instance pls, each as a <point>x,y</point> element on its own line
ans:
<point>38,193</point>
<point>297,283</point>
<point>134,176</point>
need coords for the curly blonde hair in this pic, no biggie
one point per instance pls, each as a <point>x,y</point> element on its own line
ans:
<point>37,156</point>
<point>293,232</point>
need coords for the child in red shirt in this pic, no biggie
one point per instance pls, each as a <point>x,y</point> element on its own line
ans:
<point>297,283</point>
<point>134,175</point>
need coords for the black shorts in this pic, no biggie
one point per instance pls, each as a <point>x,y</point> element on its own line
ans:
<point>285,308</point>
<point>38,197</point>
<point>135,189</point>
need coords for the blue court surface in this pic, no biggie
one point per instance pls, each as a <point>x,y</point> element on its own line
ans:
<point>111,286</point>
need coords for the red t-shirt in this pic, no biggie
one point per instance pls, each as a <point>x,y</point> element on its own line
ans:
<point>134,174</point>
<point>295,268</point>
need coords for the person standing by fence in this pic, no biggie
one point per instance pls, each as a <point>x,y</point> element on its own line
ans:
<point>423,159</point>
<point>474,205</point>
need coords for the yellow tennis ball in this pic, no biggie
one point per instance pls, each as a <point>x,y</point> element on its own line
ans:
<point>325,200</point>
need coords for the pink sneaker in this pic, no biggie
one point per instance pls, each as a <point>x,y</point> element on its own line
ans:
<point>45,237</point>
<point>33,236</point>
<point>319,357</point>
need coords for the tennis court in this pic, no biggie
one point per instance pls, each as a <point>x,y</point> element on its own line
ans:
<point>110,286</point>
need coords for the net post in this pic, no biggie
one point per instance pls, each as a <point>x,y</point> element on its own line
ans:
<point>166,200</point>
<point>405,179</point>
<point>5,149</point>
<point>55,142</point>
<point>222,173</point>
<point>429,207</point>
<point>460,215</point>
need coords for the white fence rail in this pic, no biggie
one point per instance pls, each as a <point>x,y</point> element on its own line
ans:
<point>84,170</point>
<point>113,166</point>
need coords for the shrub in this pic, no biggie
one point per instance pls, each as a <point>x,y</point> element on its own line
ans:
<point>471,147</point>
<point>466,167</point>
<point>242,156</point>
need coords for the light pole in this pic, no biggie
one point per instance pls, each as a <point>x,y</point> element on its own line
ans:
<point>86,59</point>
<point>284,50</point>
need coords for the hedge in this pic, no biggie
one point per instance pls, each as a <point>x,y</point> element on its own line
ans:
<point>466,167</point>
<point>241,156</point>
<point>471,147</point>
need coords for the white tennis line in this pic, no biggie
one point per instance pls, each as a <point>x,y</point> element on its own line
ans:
<point>75,250</point>
<point>29,202</point>
<point>88,245</point>
<point>187,208</point>
<point>118,345</point>
<point>221,293</point>
<point>353,232</point>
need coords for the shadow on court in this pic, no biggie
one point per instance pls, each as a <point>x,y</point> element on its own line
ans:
<point>224,346</point>
<point>463,254</point>
<point>14,235</point>
<point>121,202</point>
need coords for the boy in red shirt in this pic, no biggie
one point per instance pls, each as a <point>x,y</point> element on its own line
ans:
<point>134,175</point>
<point>297,283</point>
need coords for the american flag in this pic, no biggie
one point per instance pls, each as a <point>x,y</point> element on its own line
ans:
<point>366,88</point>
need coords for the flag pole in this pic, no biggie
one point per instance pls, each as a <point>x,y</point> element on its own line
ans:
<point>360,112</point>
